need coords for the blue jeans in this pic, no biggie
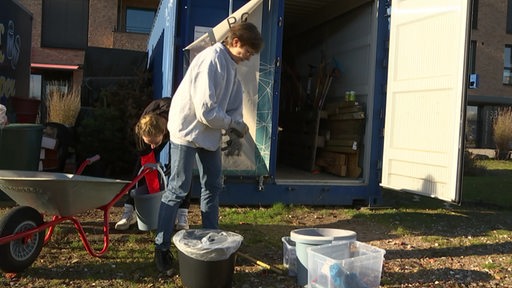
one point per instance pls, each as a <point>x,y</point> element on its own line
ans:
<point>209,164</point>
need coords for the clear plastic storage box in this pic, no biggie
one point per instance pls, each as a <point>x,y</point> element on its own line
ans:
<point>289,256</point>
<point>351,264</point>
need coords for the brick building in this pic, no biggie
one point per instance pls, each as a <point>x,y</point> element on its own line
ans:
<point>58,54</point>
<point>63,30</point>
<point>490,63</point>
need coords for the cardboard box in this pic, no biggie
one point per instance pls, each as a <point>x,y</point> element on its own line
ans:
<point>335,163</point>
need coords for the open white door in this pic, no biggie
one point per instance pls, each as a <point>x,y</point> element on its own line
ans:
<point>426,97</point>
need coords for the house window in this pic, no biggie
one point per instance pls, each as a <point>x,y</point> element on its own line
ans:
<point>507,69</point>
<point>139,20</point>
<point>65,24</point>
<point>35,86</point>
<point>472,57</point>
<point>136,16</point>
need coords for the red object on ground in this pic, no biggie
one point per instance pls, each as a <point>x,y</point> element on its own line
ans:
<point>151,177</point>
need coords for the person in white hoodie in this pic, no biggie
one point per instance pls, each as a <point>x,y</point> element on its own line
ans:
<point>208,100</point>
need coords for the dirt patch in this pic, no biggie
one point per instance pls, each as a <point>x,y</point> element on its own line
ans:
<point>443,247</point>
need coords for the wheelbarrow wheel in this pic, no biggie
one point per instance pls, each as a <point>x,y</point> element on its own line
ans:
<point>19,254</point>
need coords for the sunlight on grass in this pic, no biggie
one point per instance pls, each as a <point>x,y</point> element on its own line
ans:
<point>133,239</point>
<point>272,215</point>
<point>123,254</point>
<point>76,244</point>
<point>495,164</point>
<point>401,231</point>
<point>490,265</point>
<point>54,283</point>
<point>500,234</point>
<point>438,241</point>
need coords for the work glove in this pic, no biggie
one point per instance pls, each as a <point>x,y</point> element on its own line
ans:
<point>233,145</point>
<point>239,128</point>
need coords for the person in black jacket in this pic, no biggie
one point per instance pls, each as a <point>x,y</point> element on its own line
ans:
<point>152,136</point>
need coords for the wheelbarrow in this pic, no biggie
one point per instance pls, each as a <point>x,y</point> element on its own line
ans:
<point>59,195</point>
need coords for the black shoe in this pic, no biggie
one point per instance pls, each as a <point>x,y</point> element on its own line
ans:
<point>163,260</point>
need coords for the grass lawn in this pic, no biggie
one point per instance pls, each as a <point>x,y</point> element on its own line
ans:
<point>428,242</point>
<point>492,186</point>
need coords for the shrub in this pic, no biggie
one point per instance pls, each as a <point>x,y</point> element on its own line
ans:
<point>108,129</point>
<point>502,128</point>
<point>471,167</point>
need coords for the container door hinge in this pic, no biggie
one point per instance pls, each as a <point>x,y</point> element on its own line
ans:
<point>261,183</point>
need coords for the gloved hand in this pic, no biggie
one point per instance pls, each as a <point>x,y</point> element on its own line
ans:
<point>233,144</point>
<point>239,127</point>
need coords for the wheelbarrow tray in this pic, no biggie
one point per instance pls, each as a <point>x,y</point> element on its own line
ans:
<point>59,193</point>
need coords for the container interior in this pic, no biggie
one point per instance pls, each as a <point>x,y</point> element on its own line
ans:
<point>326,94</point>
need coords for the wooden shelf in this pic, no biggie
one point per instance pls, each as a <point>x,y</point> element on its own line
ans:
<point>330,140</point>
<point>346,122</point>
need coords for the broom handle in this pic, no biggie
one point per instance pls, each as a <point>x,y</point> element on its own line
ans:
<point>260,263</point>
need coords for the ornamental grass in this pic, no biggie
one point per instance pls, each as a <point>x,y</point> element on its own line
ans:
<point>63,105</point>
<point>502,128</point>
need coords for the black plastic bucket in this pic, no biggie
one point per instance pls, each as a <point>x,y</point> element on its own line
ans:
<point>206,274</point>
<point>20,146</point>
<point>207,257</point>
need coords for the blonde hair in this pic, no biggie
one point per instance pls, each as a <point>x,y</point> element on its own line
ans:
<point>150,125</point>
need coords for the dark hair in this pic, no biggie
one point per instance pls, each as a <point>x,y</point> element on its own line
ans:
<point>248,35</point>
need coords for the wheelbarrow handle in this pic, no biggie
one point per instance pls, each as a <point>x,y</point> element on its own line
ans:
<point>153,166</point>
<point>93,158</point>
<point>86,162</point>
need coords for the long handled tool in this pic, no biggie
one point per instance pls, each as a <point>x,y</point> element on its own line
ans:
<point>260,263</point>
<point>326,87</point>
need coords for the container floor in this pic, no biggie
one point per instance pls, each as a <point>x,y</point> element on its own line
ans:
<point>288,173</point>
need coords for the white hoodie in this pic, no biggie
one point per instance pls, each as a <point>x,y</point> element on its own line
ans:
<point>208,97</point>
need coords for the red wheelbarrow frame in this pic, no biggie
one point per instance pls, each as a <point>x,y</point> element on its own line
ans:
<point>26,235</point>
